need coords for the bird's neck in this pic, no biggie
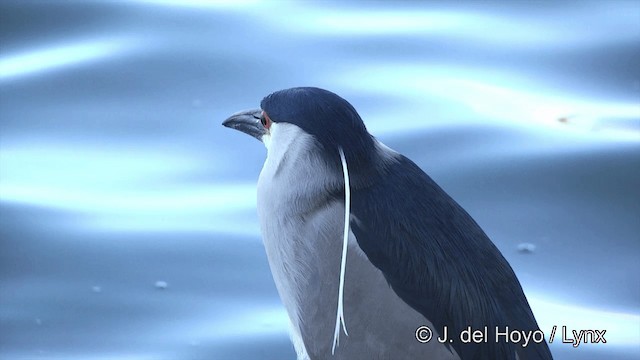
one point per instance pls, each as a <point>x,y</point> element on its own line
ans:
<point>367,164</point>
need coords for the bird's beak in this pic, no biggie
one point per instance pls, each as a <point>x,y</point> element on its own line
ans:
<point>248,122</point>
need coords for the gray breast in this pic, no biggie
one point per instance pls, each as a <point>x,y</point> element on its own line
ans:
<point>380,324</point>
<point>304,255</point>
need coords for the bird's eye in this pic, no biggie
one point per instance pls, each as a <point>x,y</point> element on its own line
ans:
<point>265,120</point>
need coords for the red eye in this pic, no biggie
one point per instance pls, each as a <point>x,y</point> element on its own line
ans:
<point>264,119</point>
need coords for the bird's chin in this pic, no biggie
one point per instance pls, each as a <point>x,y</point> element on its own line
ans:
<point>266,140</point>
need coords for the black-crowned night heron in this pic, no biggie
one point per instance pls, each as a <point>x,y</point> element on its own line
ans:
<point>360,240</point>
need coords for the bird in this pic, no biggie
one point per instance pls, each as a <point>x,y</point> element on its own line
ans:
<point>369,255</point>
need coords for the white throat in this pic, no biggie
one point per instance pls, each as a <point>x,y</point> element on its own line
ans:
<point>280,140</point>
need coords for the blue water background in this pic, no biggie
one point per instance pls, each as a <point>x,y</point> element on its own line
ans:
<point>128,227</point>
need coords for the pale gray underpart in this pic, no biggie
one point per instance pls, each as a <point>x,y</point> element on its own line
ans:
<point>302,228</point>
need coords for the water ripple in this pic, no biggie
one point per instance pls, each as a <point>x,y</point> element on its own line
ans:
<point>58,56</point>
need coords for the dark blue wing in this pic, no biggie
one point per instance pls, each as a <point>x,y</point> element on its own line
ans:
<point>440,262</point>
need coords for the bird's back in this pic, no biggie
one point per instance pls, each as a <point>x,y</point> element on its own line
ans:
<point>440,262</point>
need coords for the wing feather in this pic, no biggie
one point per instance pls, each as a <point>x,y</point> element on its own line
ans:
<point>440,262</point>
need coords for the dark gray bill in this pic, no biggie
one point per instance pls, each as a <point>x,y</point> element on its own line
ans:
<point>248,122</point>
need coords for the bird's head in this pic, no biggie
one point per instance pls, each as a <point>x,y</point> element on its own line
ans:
<point>329,119</point>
